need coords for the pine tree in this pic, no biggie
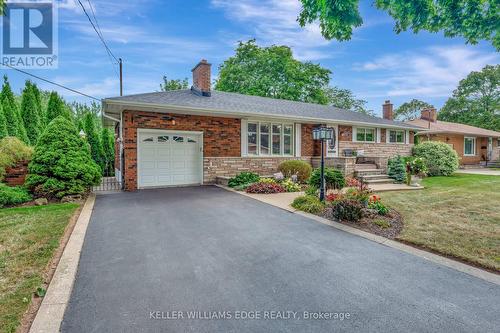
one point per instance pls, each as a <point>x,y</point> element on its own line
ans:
<point>38,100</point>
<point>15,126</point>
<point>56,108</point>
<point>108,144</point>
<point>94,140</point>
<point>29,113</point>
<point>3,124</point>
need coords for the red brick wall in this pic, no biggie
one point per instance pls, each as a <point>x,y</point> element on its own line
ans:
<point>221,136</point>
<point>16,175</point>
<point>309,147</point>
<point>457,143</point>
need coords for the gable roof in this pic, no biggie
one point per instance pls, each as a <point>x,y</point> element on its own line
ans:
<point>239,105</point>
<point>439,126</point>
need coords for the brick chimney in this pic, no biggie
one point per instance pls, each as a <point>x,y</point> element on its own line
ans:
<point>387,110</point>
<point>201,78</point>
<point>429,115</point>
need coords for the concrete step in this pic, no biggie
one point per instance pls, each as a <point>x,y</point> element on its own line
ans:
<point>371,177</point>
<point>365,166</point>
<point>385,180</point>
<point>367,172</point>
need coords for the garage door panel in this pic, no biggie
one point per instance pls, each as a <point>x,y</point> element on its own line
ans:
<point>169,159</point>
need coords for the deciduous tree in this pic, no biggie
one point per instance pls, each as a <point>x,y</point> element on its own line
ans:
<point>411,110</point>
<point>474,20</point>
<point>476,101</point>
<point>174,84</point>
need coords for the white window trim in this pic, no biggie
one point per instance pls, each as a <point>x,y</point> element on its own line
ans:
<point>388,136</point>
<point>298,140</point>
<point>355,134</point>
<point>295,142</point>
<point>473,146</point>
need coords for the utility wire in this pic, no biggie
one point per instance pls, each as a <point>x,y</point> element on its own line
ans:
<point>110,55</point>
<point>97,32</point>
<point>51,82</point>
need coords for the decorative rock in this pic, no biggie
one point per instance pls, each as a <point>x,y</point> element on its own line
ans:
<point>72,198</point>
<point>41,201</point>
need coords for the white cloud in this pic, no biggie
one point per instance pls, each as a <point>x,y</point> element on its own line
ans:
<point>432,72</point>
<point>275,22</point>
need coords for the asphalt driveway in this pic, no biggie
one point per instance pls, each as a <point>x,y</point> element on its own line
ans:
<point>153,258</point>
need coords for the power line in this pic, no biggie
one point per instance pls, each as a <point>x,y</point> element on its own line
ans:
<point>97,32</point>
<point>101,35</point>
<point>51,82</point>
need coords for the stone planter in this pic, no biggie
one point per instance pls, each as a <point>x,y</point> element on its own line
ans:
<point>415,180</point>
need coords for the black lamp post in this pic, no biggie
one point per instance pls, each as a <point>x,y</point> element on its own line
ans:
<point>323,133</point>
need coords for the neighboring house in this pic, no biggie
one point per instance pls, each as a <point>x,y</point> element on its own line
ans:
<point>192,136</point>
<point>472,144</point>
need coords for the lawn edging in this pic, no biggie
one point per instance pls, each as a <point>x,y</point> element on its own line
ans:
<point>51,312</point>
<point>454,264</point>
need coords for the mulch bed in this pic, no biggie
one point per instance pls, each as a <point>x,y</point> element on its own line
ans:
<point>393,220</point>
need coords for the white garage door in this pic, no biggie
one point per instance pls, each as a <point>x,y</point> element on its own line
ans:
<point>168,158</point>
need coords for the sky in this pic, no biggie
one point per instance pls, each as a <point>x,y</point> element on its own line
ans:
<point>156,38</point>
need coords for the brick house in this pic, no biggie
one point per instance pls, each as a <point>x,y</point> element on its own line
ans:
<point>192,136</point>
<point>473,145</point>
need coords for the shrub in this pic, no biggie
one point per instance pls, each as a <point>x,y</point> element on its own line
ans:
<point>352,182</point>
<point>396,169</point>
<point>311,190</point>
<point>61,163</point>
<point>243,178</point>
<point>290,185</point>
<point>242,187</point>
<point>440,158</point>
<point>13,195</point>
<point>296,167</point>
<point>309,204</point>
<point>12,150</point>
<point>265,188</point>
<point>347,210</point>
<point>334,179</point>
<point>267,180</point>
<point>376,204</point>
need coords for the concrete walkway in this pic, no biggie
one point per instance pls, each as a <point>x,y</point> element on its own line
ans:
<point>480,171</point>
<point>151,257</point>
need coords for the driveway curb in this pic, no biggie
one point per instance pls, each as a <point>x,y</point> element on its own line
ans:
<point>456,265</point>
<point>51,312</point>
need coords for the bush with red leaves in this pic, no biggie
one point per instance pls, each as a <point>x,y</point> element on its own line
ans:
<point>265,188</point>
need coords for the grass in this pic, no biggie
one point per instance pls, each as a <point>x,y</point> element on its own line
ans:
<point>457,216</point>
<point>29,237</point>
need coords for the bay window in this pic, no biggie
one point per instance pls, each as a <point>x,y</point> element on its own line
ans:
<point>396,136</point>
<point>469,146</point>
<point>269,138</point>
<point>365,134</point>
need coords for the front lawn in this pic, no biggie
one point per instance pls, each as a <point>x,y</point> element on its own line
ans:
<point>29,237</point>
<point>457,216</point>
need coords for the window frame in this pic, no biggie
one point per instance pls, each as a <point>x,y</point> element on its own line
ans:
<point>403,132</point>
<point>474,144</point>
<point>364,137</point>
<point>271,133</point>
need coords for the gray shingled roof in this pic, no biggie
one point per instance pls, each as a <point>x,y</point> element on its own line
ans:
<point>253,105</point>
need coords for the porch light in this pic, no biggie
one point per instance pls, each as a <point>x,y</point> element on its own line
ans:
<point>323,134</point>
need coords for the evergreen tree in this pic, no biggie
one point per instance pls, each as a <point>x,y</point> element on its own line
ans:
<point>29,113</point>
<point>108,144</point>
<point>15,126</point>
<point>61,164</point>
<point>38,99</point>
<point>3,124</point>
<point>94,140</point>
<point>397,169</point>
<point>56,108</point>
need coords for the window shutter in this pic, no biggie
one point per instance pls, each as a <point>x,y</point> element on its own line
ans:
<point>244,128</point>
<point>407,136</point>
<point>378,135</point>
<point>298,140</point>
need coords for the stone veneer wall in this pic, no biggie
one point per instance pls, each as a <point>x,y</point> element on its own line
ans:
<point>344,164</point>
<point>231,166</point>
<point>380,151</point>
